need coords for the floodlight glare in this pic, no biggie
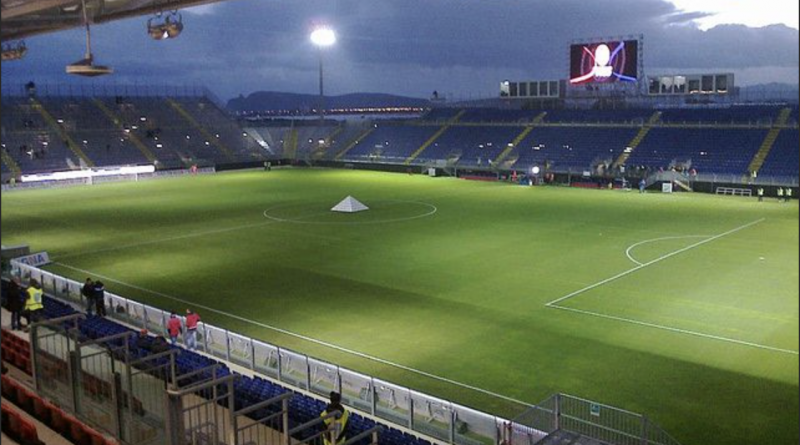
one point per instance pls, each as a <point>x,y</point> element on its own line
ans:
<point>323,37</point>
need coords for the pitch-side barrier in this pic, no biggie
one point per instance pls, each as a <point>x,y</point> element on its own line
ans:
<point>445,421</point>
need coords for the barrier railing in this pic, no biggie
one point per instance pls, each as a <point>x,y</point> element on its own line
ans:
<point>433,417</point>
<point>134,177</point>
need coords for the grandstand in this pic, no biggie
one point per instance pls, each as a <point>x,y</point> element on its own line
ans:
<point>484,298</point>
<point>58,132</point>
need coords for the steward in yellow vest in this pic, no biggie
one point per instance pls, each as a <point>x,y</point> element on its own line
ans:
<point>33,304</point>
<point>338,425</point>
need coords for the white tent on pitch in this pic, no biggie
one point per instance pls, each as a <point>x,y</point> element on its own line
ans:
<point>349,205</point>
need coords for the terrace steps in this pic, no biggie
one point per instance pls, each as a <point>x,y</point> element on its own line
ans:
<point>763,150</point>
<point>62,133</point>
<point>131,136</point>
<point>769,141</point>
<point>355,142</point>
<point>320,153</point>
<point>435,136</point>
<point>208,136</point>
<point>623,157</point>
<point>290,146</point>
<point>520,137</point>
<point>11,163</point>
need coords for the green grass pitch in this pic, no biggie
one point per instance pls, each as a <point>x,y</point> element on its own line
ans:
<point>453,278</point>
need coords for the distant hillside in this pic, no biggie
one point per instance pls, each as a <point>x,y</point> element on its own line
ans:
<point>271,101</point>
<point>770,91</point>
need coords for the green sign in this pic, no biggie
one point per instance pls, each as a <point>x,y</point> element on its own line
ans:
<point>594,409</point>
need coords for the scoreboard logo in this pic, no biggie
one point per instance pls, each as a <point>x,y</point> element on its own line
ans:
<point>604,62</point>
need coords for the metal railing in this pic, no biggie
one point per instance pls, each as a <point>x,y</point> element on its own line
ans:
<point>106,90</point>
<point>577,416</point>
<point>433,417</point>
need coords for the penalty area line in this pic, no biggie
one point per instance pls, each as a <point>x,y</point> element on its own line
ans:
<point>678,330</point>
<point>650,263</point>
<point>300,336</point>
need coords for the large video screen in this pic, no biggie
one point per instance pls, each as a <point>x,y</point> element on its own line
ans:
<point>604,62</point>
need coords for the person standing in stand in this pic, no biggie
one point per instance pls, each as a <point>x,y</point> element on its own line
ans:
<point>100,298</point>
<point>190,337</point>
<point>88,293</point>
<point>34,306</point>
<point>174,328</point>
<point>16,300</point>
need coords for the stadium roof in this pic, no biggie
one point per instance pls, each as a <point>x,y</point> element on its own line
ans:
<point>25,18</point>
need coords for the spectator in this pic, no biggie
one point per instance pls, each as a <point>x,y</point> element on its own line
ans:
<point>143,341</point>
<point>338,424</point>
<point>15,303</point>
<point>33,304</point>
<point>190,337</point>
<point>100,298</point>
<point>88,293</point>
<point>159,345</point>
<point>174,328</point>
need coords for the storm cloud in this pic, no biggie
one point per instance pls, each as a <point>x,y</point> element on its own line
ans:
<point>411,47</point>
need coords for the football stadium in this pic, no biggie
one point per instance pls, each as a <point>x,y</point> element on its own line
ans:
<point>604,257</point>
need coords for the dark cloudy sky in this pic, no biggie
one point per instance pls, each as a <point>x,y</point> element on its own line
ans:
<point>412,47</point>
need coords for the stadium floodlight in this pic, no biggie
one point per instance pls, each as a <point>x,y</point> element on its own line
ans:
<point>86,67</point>
<point>323,36</point>
<point>170,28</point>
<point>14,51</point>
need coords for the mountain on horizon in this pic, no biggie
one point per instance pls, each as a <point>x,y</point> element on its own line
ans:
<point>273,101</point>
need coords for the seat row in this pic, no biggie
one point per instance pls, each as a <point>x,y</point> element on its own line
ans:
<point>51,415</point>
<point>248,390</point>
<point>16,351</point>
<point>19,429</point>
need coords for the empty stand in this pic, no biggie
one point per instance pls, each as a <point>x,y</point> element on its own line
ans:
<point>726,151</point>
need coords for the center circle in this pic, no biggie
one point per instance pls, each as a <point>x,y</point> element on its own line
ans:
<point>380,212</point>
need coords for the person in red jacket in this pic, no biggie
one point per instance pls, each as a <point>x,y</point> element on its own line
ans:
<point>174,328</point>
<point>190,337</point>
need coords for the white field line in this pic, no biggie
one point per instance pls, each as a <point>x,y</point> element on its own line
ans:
<point>664,238</point>
<point>302,337</point>
<point>245,226</point>
<point>678,330</point>
<point>650,263</point>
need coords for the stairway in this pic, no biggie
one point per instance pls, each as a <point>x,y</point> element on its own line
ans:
<point>503,154</point>
<point>769,141</point>
<point>320,152</point>
<point>208,136</point>
<point>11,163</point>
<point>682,185</point>
<point>783,117</point>
<point>355,142</point>
<point>290,146</point>
<point>62,133</point>
<point>623,157</point>
<point>435,136</point>
<point>763,151</point>
<point>131,136</point>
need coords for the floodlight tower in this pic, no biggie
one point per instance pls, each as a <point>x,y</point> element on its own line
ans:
<point>322,37</point>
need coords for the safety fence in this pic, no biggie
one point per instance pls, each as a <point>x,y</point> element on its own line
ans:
<point>104,179</point>
<point>576,416</point>
<point>433,417</point>
<point>428,415</point>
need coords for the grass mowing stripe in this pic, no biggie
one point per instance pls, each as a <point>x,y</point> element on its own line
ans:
<point>302,337</point>
<point>678,330</point>
<point>650,263</point>
<point>176,238</point>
